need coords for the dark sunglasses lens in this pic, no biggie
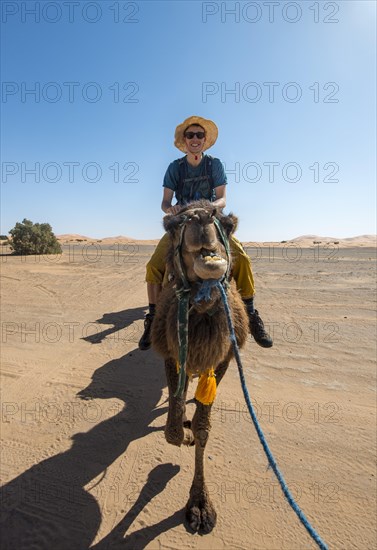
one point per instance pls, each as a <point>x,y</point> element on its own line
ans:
<point>190,135</point>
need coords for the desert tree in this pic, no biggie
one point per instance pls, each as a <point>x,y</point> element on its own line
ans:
<point>34,238</point>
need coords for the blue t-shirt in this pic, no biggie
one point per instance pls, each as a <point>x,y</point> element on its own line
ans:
<point>171,179</point>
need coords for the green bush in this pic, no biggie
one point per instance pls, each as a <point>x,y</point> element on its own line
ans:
<point>34,238</point>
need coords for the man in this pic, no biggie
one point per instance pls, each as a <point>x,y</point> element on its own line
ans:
<point>197,176</point>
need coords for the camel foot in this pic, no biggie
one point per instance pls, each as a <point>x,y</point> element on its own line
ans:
<point>180,437</point>
<point>190,440</point>
<point>200,514</point>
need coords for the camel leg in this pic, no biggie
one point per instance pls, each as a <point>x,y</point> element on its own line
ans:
<point>175,431</point>
<point>200,513</point>
<point>220,371</point>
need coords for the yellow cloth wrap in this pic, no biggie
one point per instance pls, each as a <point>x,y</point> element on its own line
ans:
<point>206,390</point>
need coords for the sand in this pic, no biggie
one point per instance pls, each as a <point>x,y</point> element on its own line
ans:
<point>84,460</point>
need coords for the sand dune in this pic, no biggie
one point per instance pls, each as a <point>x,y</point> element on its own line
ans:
<point>66,238</point>
<point>72,237</point>
<point>360,240</point>
<point>304,240</point>
<point>308,241</point>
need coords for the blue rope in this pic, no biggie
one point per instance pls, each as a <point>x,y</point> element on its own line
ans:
<point>262,439</point>
<point>204,292</point>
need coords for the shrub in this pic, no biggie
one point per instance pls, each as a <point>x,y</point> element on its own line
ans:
<point>34,238</point>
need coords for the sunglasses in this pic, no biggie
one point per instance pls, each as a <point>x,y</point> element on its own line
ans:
<point>190,135</point>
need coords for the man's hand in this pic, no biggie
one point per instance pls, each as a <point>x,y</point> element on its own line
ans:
<point>174,209</point>
<point>166,205</point>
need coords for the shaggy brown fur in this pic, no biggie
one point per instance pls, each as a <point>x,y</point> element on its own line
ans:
<point>208,337</point>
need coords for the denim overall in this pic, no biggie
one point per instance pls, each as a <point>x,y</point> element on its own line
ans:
<point>192,189</point>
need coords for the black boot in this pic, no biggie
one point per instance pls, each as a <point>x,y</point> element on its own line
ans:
<point>258,331</point>
<point>145,340</point>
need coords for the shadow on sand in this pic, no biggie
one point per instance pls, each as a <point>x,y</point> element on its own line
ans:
<point>119,320</point>
<point>47,507</point>
<point>156,483</point>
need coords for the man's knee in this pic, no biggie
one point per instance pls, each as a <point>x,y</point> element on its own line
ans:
<point>154,274</point>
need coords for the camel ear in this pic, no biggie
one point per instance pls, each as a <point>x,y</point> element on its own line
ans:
<point>215,213</point>
<point>172,221</point>
<point>229,223</point>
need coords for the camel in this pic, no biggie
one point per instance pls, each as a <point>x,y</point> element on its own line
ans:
<point>202,258</point>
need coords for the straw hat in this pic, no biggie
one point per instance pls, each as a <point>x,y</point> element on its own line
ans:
<point>210,129</point>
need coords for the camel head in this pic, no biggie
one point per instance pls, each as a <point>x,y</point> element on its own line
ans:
<point>202,250</point>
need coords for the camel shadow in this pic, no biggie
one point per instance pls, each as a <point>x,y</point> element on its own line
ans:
<point>48,507</point>
<point>157,480</point>
<point>119,320</point>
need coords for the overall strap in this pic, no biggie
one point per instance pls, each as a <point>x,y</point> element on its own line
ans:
<point>208,172</point>
<point>208,168</point>
<point>182,176</point>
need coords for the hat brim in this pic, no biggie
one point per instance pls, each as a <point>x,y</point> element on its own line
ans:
<point>209,127</point>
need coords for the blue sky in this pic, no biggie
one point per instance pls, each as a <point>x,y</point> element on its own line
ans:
<point>291,87</point>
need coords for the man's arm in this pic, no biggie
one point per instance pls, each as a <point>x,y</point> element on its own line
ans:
<point>166,202</point>
<point>220,192</point>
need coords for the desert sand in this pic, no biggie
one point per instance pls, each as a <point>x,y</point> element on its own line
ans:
<point>84,460</point>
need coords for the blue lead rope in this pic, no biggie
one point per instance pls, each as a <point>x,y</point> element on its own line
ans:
<point>262,439</point>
